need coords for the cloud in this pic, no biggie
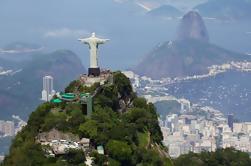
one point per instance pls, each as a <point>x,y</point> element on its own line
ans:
<point>20,51</point>
<point>151,4</point>
<point>144,6</point>
<point>147,5</point>
<point>65,33</point>
<point>119,1</point>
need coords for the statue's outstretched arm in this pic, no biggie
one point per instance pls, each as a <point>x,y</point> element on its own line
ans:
<point>102,41</point>
<point>85,41</point>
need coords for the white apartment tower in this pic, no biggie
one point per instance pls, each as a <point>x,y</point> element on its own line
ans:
<point>48,91</point>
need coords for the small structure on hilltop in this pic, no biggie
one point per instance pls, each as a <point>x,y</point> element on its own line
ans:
<point>59,143</point>
<point>85,144</point>
<point>105,76</point>
<point>100,150</point>
<point>56,101</point>
<point>87,104</point>
<point>67,96</point>
<point>85,99</point>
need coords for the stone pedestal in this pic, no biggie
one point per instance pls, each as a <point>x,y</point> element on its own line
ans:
<point>94,72</point>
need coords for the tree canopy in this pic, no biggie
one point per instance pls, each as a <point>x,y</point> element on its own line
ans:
<point>222,157</point>
<point>128,137</point>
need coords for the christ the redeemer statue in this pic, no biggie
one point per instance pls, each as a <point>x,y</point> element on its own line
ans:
<point>93,42</point>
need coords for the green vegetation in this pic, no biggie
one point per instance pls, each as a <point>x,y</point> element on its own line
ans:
<point>119,150</point>
<point>77,87</point>
<point>129,132</point>
<point>75,157</point>
<point>143,139</point>
<point>222,157</point>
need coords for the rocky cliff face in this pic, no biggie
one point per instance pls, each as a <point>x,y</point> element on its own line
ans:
<point>192,27</point>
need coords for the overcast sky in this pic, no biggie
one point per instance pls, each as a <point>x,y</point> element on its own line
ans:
<point>57,24</point>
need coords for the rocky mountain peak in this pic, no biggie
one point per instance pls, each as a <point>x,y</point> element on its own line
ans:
<point>192,26</point>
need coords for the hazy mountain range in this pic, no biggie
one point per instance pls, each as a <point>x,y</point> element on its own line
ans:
<point>213,9</point>
<point>190,54</point>
<point>165,11</point>
<point>65,21</point>
<point>226,9</point>
<point>21,92</point>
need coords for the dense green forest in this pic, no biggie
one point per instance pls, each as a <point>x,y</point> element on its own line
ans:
<point>222,157</point>
<point>130,134</point>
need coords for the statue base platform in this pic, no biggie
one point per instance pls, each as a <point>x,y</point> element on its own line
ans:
<point>105,76</point>
<point>94,72</point>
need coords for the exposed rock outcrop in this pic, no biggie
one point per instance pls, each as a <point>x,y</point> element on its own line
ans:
<point>192,27</point>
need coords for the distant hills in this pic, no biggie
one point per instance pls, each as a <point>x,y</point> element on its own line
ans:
<point>165,11</point>
<point>20,93</point>
<point>190,54</point>
<point>218,9</point>
<point>226,9</point>
<point>184,58</point>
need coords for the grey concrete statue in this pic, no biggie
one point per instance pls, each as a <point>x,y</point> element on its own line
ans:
<point>93,42</point>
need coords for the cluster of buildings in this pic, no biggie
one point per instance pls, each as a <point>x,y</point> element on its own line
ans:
<point>11,128</point>
<point>7,128</point>
<point>203,129</point>
<point>59,143</point>
<point>195,128</point>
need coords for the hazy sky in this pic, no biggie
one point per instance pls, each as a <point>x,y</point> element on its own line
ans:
<point>57,24</point>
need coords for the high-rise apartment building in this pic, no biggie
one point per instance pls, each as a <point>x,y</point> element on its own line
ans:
<point>48,91</point>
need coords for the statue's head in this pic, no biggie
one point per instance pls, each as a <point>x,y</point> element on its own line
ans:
<point>93,34</point>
